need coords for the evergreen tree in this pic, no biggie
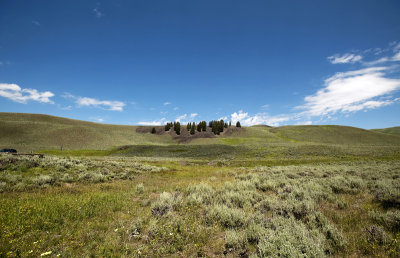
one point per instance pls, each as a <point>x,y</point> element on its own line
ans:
<point>199,127</point>
<point>188,126</point>
<point>230,124</point>
<point>177,128</point>
<point>238,124</point>
<point>153,131</point>
<point>192,131</point>
<point>226,125</point>
<point>204,126</point>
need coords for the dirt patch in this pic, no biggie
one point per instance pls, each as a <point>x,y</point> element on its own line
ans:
<point>233,131</point>
<point>147,129</point>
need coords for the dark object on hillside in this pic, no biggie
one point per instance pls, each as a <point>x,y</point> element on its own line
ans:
<point>153,131</point>
<point>8,150</point>
<point>238,124</point>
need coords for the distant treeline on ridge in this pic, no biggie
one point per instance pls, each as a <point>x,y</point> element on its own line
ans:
<point>216,126</point>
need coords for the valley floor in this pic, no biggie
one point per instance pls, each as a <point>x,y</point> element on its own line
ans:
<point>119,205</point>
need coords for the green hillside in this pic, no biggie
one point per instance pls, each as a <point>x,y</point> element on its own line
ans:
<point>391,130</point>
<point>334,134</point>
<point>27,132</point>
<point>32,132</point>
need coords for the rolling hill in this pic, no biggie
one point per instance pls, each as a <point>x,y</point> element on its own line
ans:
<point>32,132</point>
<point>391,130</point>
<point>334,134</point>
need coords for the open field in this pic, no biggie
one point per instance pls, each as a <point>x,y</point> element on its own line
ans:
<point>261,191</point>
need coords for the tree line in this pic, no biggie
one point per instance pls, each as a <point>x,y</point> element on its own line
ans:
<point>216,126</point>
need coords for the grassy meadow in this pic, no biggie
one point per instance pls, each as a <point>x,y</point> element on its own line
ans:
<point>292,191</point>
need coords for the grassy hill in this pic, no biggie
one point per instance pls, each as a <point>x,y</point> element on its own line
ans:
<point>334,134</point>
<point>32,132</point>
<point>27,132</point>
<point>391,130</point>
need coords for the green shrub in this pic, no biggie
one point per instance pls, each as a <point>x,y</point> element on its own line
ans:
<point>166,203</point>
<point>390,219</point>
<point>254,232</point>
<point>226,216</point>
<point>377,234</point>
<point>200,193</point>
<point>139,188</point>
<point>289,238</point>
<point>235,240</point>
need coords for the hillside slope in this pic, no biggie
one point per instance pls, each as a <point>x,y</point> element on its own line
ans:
<point>335,134</point>
<point>30,132</point>
<point>390,130</point>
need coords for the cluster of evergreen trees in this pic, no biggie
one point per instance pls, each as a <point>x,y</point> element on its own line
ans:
<point>216,126</point>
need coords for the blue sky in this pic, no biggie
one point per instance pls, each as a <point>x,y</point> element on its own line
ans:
<point>148,62</point>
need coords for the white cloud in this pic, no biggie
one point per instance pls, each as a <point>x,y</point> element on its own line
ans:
<point>176,108</point>
<point>223,118</point>
<point>105,104</point>
<point>258,119</point>
<point>179,118</point>
<point>266,106</point>
<point>344,59</point>
<point>166,103</point>
<point>17,94</point>
<point>193,115</point>
<point>155,122</point>
<point>396,57</point>
<point>351,91</point>
<point>97,119</point>
<point>36,23</point>
<point>304,123</point>
<point>378,61</point>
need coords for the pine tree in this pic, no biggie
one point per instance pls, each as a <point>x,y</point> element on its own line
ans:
<point>230,124</point>
<point>199,127</point>
<point>238,124</point>
<point>226,125</point>
<point>192,131</point>
<point>188,126</point>
<point>153,131</point>
<point>204,126</point>
<point>177,128</point>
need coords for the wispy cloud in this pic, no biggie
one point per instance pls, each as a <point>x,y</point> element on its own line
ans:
<point>155,122</point>
<point>179,118</point>
<point>193,115</point>
<point>17,94</point>
<point>112,105</point>
<point>105,104</point>
<point>351,91</point>
<point>344,59</point>
<point>36,23</point>
<point>97,11</point>
<point>166,103</point>
<point>175,108</point>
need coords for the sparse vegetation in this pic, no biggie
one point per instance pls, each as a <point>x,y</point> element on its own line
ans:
<point>252,191</point>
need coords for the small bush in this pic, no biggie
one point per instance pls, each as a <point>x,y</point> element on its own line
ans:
<point>139,188</point>
<point>166,203</point>
<point>235,240</point>
<point>226,217</point>
<point>377,234</point>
